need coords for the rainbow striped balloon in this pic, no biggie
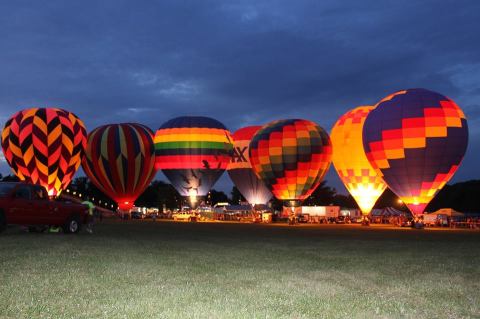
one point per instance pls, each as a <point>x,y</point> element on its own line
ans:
<point>193,152</point>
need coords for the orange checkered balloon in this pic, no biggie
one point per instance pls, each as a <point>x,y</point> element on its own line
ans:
<point>291,157</point>
<point>349,159</point>
<point>416,140</point>
<point>44,146</point>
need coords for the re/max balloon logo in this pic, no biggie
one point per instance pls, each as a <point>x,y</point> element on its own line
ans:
<point>238,154</point>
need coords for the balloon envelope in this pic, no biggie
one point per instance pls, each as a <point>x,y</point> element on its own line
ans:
<point>120,161</point>
<point>349,159</point>
<point>291,157</point>
<point>44,146</point>
<point>240,170</point>
<point>193,152</point>
<point>416,140</point>
<point>11,144</point>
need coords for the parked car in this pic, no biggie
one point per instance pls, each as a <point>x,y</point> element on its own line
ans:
<point>27,204</point>
<point>341,220</point>
<point>138,215</point>
<point>185,216</point>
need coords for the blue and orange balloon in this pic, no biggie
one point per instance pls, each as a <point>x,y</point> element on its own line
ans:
<point>416,140</point>
<point>120,161</point>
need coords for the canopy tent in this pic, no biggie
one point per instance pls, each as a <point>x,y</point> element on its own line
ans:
<point>448,212</point>
<point>388,211</point>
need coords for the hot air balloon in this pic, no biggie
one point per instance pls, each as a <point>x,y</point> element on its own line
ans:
<point>193,152</point>
<point>291,157</point>
<point>44,146</point>
<point>349,159</point>
<point>10,143</point>
<point>416,140</point>
<point>240,170</point>
<point>120,161</point>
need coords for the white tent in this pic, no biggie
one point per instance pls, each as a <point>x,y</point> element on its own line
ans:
<point>448,212</point>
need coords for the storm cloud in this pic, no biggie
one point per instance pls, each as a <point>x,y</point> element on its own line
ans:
<point>243,62</point>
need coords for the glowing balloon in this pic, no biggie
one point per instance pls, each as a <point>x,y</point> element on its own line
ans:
<point>44,146</point>
<point>193,152</point>
<point>349,159</point>
<point>291,157</point>
<point>11,144</point>
<point>416,140</point>
<point>120,161</point>
<point>240,170</point>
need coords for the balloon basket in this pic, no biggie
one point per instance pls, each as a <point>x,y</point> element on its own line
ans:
<point>365,221</point>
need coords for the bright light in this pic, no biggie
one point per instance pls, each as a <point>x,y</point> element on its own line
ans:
<point>366,196</point>
<point>192,193</point>
<point>400,201</point>
<point>51,192</point>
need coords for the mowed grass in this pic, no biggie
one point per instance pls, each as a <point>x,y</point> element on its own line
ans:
<point>141,269</point>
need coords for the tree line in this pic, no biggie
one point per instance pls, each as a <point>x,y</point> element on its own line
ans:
<point>463,196</point>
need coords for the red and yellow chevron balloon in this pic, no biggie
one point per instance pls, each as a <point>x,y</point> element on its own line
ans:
<point>44,146</point>
<point>10,143</point>
<point>120,161</point>
<point>416,140</point>
<point>240,170</point>
<point>349,159</point>
<point>291,157</point>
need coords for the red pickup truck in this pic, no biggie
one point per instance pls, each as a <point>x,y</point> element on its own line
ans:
<point>26,204</point>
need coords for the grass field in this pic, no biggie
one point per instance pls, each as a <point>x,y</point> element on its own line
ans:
<point>142,269</point>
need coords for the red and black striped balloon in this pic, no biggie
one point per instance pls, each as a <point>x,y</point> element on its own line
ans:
<point>120,161</point>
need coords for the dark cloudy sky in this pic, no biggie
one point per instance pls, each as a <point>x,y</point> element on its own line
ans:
<point>242,62</point>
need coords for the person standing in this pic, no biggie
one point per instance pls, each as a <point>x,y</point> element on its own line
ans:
<point>90,217</point>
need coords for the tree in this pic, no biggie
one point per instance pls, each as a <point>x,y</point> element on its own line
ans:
<point>323,195</point>
<point>389,199</point>
<point>159,194</point>
<point>10,178</point>
<point>463,196</point>
<point>237,197</point>
<point>217,197</point>
<point>344,201</point>
<point>82,185</point>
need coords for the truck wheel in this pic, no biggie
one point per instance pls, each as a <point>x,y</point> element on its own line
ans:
<point>3,221</point>
<point>72,225</point>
